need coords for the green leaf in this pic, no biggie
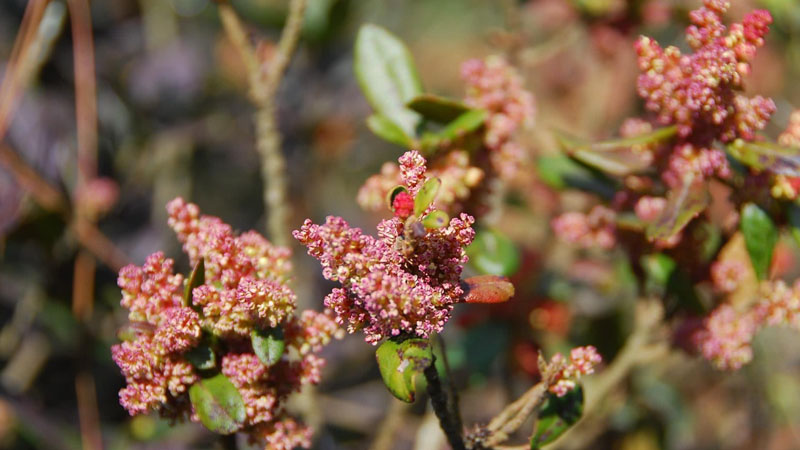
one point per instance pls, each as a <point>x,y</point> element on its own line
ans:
<point>683,204</point>
<point>760,237</point>
<point>196,278</point>
<point>268,345</point>
<point>767,156</point>
<point>562,172</point>
<point>493,253</point>
<point>218,404</point>
<point>201,357</point>
<point>426,195</point>
<point>617,157</point>
<point>388,77</point>
<point>400,362</point>
<point>556,416</point>
<point>436,219</point>
<point>388,130</point>
<point>487,289</point>
<point>665,278</point>
<point>464,124</point>
<point>658,267</point>
<point>437,109</point>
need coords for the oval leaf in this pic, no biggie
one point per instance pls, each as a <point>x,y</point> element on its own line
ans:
<point>493,253</point>
<point>561,172</point>
<point>268,345</point>
<point>437,109</point>
<point>487,289</point>
<point>767,156</point>
<point>683,205</point>
<point>400,362</point>
<point>387,75</point>
<point>218,404</point>
<point>436,219</point>
<point>196,278</point>
<point>556,416</point>
<point>426,195</point>
<point>760,237</point>
<point>388,130</point>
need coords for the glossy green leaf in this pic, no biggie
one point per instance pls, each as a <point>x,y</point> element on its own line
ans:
<point>218,404</point>
<point>201,357</point>
<point>562,172</point>
<point>435,219</point>
<point>426,195</point>
<point>437,109</point>
<point>683,204</point>
<point>760,237</point>
<point>388,77</point>
<point>617,157</point>
<point>493,253</point>
<point>557,415</point>
<point>487,289</point>
<point>767,156</point>
<point>196,278</point>
<point>388,130</point>
<point>464,124</point>
<point>268,345</point>
<point>400,362</point>
<point>665,278</point>
<point>658,267</point>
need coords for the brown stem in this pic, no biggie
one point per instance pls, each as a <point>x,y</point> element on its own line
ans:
<point>449,420</point>
<point>85,89</point>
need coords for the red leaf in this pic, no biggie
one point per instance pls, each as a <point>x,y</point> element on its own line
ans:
<point>487,289</point>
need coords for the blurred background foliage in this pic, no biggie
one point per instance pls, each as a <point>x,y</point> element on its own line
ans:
<point>174,120</point>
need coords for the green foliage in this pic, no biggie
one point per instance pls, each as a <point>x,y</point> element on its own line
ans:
<point>493,253</point>
<point>767,156</point>
<point>388,130</point>
<point>388,77</point>
<point>196,278</point>
<point>268,345</point>
<point>426,195</point>
<point>556,416</point>
<point>400,361</point>
<point>760,237</point>
<point>202,357</point>
<point>218,404</point>
<point>436,219</point>
<point>683,204</point>
<point>563,172</point>
<point>436,108</point>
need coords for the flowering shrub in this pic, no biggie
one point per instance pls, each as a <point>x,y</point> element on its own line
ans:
<point>232,323</point>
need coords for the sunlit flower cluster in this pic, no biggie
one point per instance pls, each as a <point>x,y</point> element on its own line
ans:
<point>407,279</point>
<point>494,85</point>
<point>728,333</point>
<point>582,361</point>
<point>243,290</point>
<point>784,185</point>
<point>453,169</point>
<point>701,92</point>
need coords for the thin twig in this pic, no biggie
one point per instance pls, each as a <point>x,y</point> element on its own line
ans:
<point>449,421</point>
<point>85,89</point>
<point>264,83</point>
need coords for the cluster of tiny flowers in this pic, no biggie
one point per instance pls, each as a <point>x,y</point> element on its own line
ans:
<point>458,179</point>
<point>582,361</point>
<point>700,92</point>
<point>727,274</point>
<point>495,86</point>
<point>245,285</point>
<point>596,229</point>
<point>406,280</point>
<point>727,335</point>
<point>244,290</point>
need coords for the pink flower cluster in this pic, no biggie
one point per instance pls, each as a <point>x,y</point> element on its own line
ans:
<point>728,333</point>
<point>582,361</point>
<point>783,185</point>
<point>701,92</point>
<point>596,229</point>
<point>244,290</point>
<point>453,169</point>
<point>494,85</point>
<point>406,280</point>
